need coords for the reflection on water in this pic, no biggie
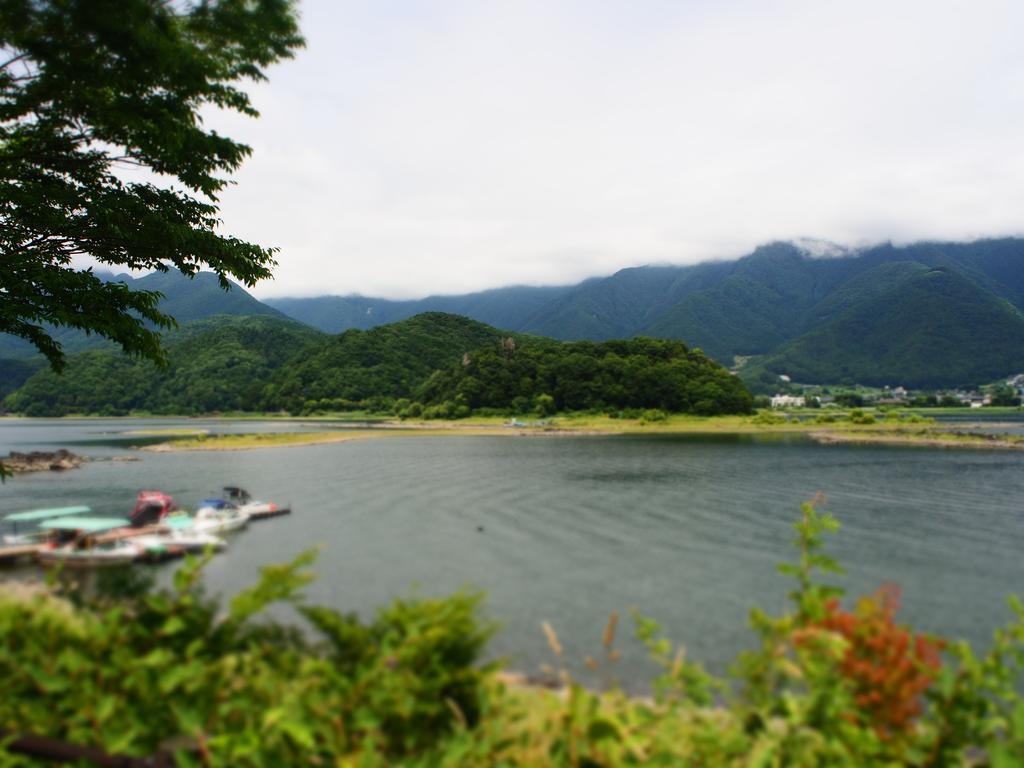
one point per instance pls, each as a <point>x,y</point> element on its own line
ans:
<point>687,530</point>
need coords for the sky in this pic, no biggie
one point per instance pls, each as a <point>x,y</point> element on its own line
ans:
<point>445,146</point>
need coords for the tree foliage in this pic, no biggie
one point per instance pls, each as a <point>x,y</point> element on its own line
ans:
<point>89,88</point>
<point>449,365</point>
<point>386,362</point>
<point>575,376</point>
<point>219,364</point>
<point>256,364</point>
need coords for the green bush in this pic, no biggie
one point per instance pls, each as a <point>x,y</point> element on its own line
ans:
<point>769,417</point>
<point>857,416</point>
<point>652,415</point>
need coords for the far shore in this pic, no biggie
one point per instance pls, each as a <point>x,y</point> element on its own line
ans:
<point>250,442</point>
<point>912,427</point>
<point>914,432</point>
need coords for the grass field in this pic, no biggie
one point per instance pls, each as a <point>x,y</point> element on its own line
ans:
<point>904,428</point>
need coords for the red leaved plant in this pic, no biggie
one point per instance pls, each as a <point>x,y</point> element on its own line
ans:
<point>889,666</point>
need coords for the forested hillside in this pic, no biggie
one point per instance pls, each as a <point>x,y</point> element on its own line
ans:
<point>184,299</point>
<point>894,336</point>
<point>266,364</point>
<point>389,361</point>
<point>217,364</point>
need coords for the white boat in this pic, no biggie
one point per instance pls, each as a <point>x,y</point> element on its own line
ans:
<point>96,556</point>
<point>179,541</point>
<point>218,516</point>
<point>254,508</point>
<point>75,544</point>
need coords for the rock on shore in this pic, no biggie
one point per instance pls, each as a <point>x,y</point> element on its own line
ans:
<point>38,461</point>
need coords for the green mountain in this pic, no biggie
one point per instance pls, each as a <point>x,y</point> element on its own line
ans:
<point>184,299</point>
<point>766,307</point>
<point>609,308</point>
<point>217,364</point>
<point>758,304</point>
<point>200,297</point>
<point>15,372</point>
<point>500,307</point>
<point>751,307</point>
<point>385,362</point>
<point>903,323</point>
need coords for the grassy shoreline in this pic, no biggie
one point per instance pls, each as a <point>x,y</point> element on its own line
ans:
<point>926,438</point>
<point>842,431</point>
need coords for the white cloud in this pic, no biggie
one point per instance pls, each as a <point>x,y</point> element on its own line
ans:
<point>423,147</point>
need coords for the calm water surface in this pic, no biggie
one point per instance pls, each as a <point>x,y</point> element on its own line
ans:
<point>686,530</point>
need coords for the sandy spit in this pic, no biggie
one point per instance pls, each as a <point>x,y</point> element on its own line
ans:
<point>868,438</point>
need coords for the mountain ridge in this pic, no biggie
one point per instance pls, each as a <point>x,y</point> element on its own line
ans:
<point>754,307</point>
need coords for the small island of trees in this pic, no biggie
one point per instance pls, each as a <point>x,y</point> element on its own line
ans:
<point>547,377</point>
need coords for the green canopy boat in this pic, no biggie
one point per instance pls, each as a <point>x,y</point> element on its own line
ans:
<point>35,516</point>
<point>83,551</point>
<point>45,514</point>
<point>85,524</point>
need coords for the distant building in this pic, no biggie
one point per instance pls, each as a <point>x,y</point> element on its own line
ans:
<point>788,401</point>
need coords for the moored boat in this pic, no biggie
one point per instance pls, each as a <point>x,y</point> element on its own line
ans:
<point>19,520</point>
<point>254,508</point>
<point>151,507</point>
<point>179,536</point>
<point>218,516</point>
<point>75,543</point>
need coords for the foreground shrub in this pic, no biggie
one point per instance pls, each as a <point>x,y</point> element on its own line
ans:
<point>824,685</point>
<point>164,670</point>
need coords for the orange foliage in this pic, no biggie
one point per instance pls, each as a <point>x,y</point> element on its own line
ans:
<point>889,666</point>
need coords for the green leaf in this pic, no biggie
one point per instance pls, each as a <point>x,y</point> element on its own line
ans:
<point>602,728</point>
<point>173,626</point>
<point>300,733</point>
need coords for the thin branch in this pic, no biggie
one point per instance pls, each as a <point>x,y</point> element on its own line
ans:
<point>13,60</point>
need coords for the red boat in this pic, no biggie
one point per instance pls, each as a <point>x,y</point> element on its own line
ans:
<point>151,507</point>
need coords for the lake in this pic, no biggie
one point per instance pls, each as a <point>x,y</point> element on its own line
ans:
<point>687,530</point>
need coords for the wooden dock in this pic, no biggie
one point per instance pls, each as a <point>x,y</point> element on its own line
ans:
<point>275,513</point>
<point>13,554</point>
<point>129,533</point>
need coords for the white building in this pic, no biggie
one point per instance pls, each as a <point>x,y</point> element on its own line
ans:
<point>788,401</point>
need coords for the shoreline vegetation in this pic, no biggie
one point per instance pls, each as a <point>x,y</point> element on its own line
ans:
<point>855,427</point>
